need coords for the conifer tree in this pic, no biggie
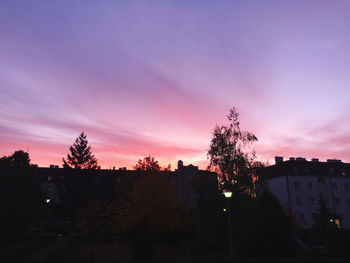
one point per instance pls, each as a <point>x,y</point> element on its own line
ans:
<point>80,156</point>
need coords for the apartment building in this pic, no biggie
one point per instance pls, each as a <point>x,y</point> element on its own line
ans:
<point>299,185</point>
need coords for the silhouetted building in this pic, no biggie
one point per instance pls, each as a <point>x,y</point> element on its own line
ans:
<point>298,184</point>
<point>184,176</point>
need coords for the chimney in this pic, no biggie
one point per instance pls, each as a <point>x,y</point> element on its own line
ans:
<point>180,164</point>
<point>278,159</point>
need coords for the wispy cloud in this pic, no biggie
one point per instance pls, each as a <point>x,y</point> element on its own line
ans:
<point>155,78</point>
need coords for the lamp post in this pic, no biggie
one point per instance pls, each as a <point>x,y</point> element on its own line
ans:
<point>228,195</point>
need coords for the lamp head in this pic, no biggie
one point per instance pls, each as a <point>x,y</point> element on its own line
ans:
<point>227,193</point>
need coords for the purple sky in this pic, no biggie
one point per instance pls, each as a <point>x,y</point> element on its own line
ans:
<point>154,77</point>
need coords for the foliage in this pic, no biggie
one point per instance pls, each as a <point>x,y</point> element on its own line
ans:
<point>230,155</point>
<point>154,198</point>
<point>147,164</point>
<point>274,234</point>
<point>323,215</point>
<point>22,201</point>
<point>324,226</point>
<point>19,159</point>
<point>208,217</point>
<point>80,156</point>
<point>97,221</point>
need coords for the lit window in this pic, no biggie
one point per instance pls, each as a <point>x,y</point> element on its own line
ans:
<point>337,222</point>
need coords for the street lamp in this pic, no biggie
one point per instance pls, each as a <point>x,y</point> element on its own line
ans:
<point>228,195</point>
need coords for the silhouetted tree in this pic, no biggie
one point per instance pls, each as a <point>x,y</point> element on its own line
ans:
<point>274,233</point>
<point>19,159</point>
<point>208,218</point>
<point>154,198</point>
<point>324,227</point>
<point>148,164</point>
<point>323,215</point>
<point>22,201</point>
<point>96,222</point>
<point>80,156</point>
<point>230,156</point>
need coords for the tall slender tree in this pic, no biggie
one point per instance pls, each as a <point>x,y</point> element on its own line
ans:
<point>230,154</point>
<point>80,156</point>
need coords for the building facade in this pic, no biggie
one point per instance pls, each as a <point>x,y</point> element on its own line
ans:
<point>300,184</point>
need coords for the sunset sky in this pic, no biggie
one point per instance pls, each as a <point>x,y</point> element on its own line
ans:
<point>154,77</point>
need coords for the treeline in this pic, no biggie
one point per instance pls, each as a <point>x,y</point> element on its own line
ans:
<point>144,209</point>
<point>141,210</point>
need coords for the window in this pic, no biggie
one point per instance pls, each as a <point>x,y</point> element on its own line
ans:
<point>331,171</point>
<point>337,201</point>
<point>334,186</point>
<point>349,202</point>
<point>311,200</point>
<point>346,187</point>
<point>297,185</point>
<point>299,202</point>
<point>337,222</point>
<point>309,185</point>
<point>321,180</point>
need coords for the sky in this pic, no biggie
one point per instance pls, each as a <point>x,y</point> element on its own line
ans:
<point>155,77</point>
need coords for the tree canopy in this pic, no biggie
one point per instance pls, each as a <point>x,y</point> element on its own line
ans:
<point>80,156</point>
<point>22,200</point>
<point>148,164</point>
<point>230,154</point>
<point>19,159</point>
<point>154,198</point>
